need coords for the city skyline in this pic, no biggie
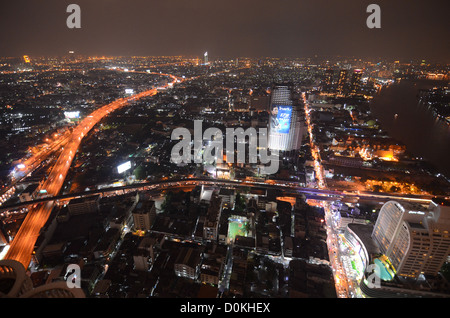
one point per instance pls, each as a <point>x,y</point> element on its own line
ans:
<point>89,175</point>
<point>251,29</point>
<point>228,150</point>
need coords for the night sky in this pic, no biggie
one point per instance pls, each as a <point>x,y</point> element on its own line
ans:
<point>250,28</point>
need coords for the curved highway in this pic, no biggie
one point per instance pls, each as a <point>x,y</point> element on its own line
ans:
<point>22,246</point>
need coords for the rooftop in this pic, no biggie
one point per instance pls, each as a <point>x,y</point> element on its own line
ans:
<point>31,188</point>
<point>188,256</point>
<point>418,226</point>
<point>85,199</point>
<point>364,233</point>
<point>441,201</point>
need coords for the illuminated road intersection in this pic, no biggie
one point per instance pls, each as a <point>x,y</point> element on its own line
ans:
<point>346,267</point>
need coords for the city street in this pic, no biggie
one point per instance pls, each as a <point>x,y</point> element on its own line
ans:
<point>339,253</point>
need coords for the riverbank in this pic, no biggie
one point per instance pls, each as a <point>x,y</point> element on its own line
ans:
<point>404,118</point>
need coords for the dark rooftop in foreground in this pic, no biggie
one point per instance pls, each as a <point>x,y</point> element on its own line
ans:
<point>441,201</point>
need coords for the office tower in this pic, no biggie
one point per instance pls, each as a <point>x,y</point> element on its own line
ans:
<point>286,119</point>
<point>355,82</point>
<point>328,80</point>
<point>416,240</point>
<point>341,82</point>
<point>72,56</point>
<point>205,58</point>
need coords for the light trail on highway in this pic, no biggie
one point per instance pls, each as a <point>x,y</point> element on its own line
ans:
<point>29,164</point>
<point>287,186</point>
<point>22,246</point>
<point>340,277</point>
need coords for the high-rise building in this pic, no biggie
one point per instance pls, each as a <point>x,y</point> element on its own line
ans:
<point>355,82</point>
<point>341,82</point>
<point>416,240</point>
<point>144,215</point>
<point>286,122</point>
<point>211,224</point>
<point>328,80</point>
<point>205,56</point>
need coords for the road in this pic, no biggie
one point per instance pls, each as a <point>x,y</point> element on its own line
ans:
<point>22,246</point>
<point>288,187</point>
<point>30,164</point>
<point>340,277</point>
<point>57,141</point>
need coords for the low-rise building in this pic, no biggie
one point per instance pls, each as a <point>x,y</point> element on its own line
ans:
<point>30,193</point>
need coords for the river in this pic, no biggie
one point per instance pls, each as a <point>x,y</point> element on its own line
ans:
<point>416,126</point>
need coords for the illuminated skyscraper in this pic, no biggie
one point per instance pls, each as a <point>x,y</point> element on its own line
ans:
<point>71,56</point>
<point>341,82</point>
<point>205,56</point>
<point>286,121</point>
<point>26,59</point>
<point>355,82</point>
<point>328,80</point>
<point>416,240</point>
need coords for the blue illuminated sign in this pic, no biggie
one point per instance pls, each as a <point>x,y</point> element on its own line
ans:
<point>281,119</point>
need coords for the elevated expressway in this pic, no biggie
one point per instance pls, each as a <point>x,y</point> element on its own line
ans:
<point>22,246</point>
<point>289,188</point>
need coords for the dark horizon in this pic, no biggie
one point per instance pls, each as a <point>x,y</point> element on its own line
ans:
<point>251,28</point>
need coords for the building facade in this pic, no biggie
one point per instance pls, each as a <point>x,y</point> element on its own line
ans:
<point>211,224</point>
<point>355,83</point>
<point>144,215</point>
<point>416,240</point>
<point>89,204</point>
<point>286,119</point>
<point>342,80</point>
<point>187,264</point>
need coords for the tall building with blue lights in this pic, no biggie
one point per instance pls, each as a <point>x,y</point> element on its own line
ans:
<point>286,122</point>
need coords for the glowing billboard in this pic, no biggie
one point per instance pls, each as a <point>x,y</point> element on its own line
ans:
<point>72,115</point>
<point>124,167</point>
<point>281,119</point>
